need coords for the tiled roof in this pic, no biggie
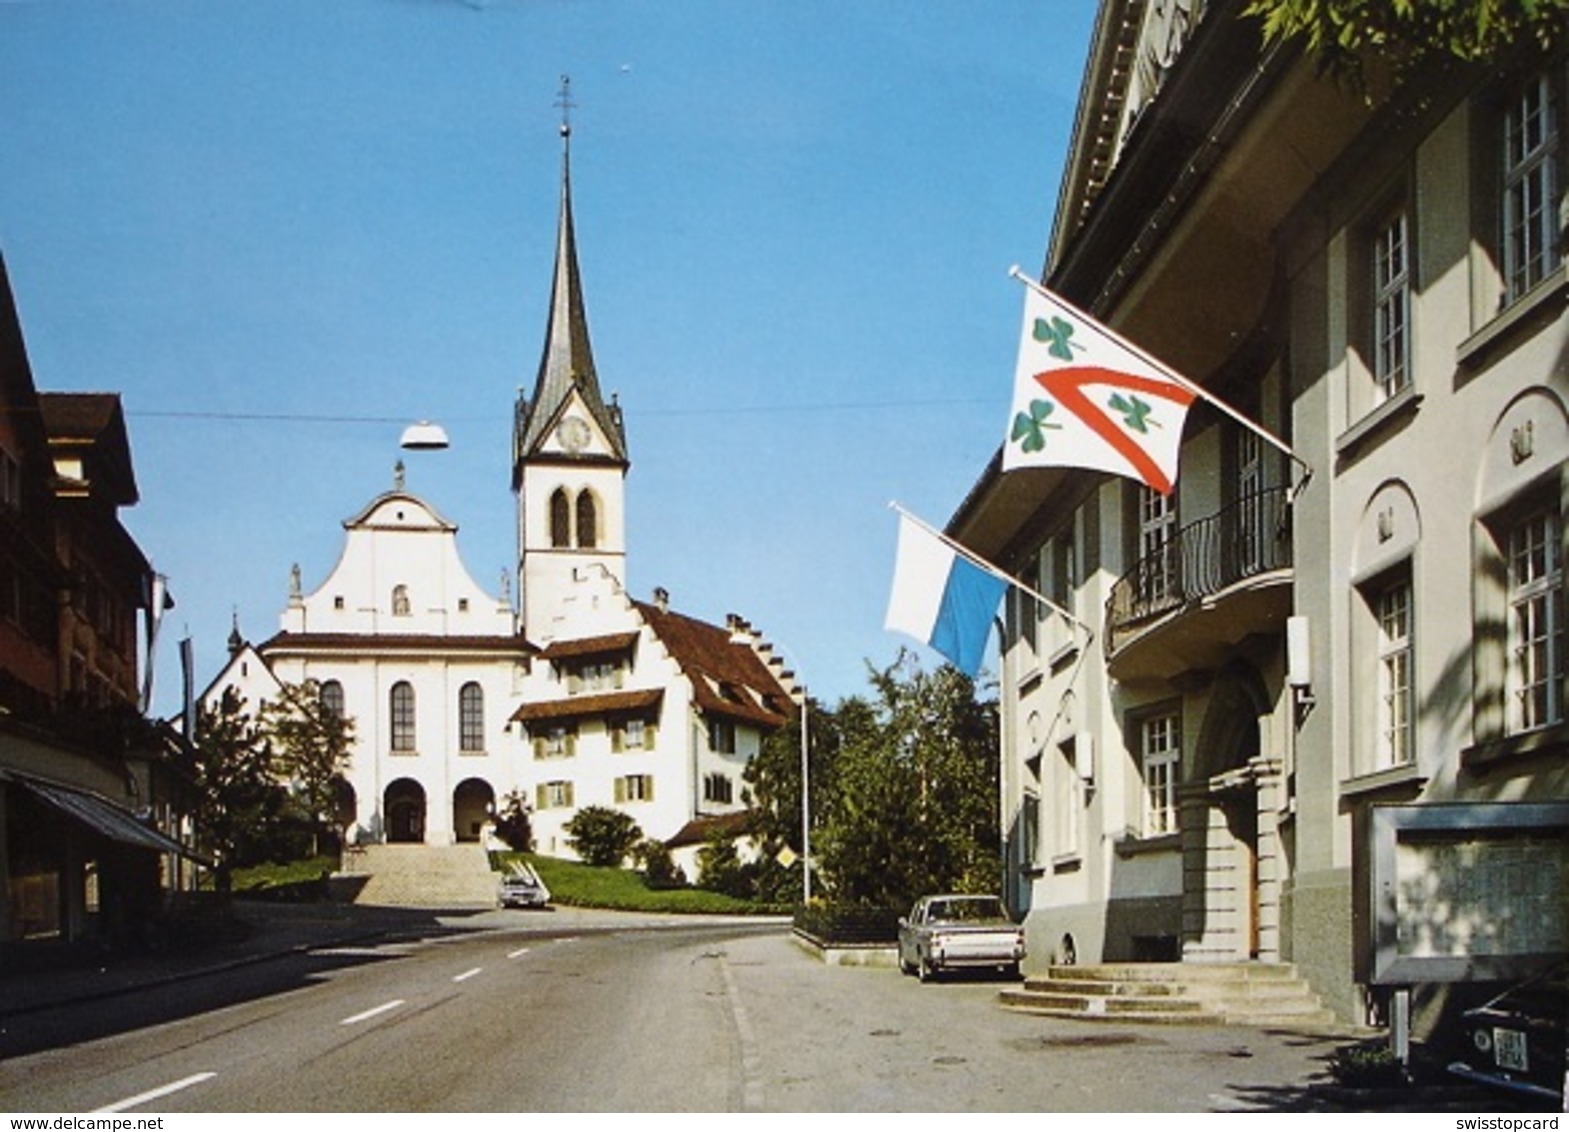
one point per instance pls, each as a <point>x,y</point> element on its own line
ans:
<point>728,678</point>
<point>589,646</point>
<point>392,642</point>
<point>579,707</point>
<point>702,830</point>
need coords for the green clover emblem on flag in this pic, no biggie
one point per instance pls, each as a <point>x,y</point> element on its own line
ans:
<point>1135,412</point>
<point>1031,427</point>
<point>1057,335</point>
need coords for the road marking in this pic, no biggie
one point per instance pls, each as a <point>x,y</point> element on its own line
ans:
<point>515,954</point>
<point>372,1012</point>
<point>154,1094</point>
<point>466,975</point>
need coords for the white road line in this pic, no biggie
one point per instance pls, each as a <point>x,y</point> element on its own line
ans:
<point>515,954</point>
<point>154,1094</point>
<point>372,1012</point>
<point>466,975</point>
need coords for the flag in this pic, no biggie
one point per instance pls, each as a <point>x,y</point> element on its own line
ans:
<point>1084,398</point>
<point>941,598</point>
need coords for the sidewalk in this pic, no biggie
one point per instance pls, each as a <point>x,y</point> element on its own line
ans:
<point>273,929</point>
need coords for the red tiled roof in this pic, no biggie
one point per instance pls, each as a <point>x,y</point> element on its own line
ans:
<point>701,830</point>
<point>716,665</point>
<point>589,646</point>
<point>578,707</point>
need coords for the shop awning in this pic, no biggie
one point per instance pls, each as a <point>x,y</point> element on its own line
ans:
<point>101,816</point>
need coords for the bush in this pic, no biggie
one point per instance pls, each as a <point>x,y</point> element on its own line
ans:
<point>660,871</point>
<point>1370,1065</point>
<point>514,824</point>
<point>602,836</point>
<point>719,869</point>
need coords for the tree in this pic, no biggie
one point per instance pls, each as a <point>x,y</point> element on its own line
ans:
<point>311,741</point>
<point>1410,34</point>
<point>602,836</point>
<point>914,806</point>
<point>515,822</point>
<point>237,797</point>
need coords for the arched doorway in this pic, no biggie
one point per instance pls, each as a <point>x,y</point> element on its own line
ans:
<point>404,805</point>
<point>473,804</point>
<point>1230,850</point>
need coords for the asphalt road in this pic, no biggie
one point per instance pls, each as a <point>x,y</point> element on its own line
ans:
<point>706,1018</point>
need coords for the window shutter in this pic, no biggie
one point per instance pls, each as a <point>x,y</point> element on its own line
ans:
<point>574,682</point>
<point>569,794</point>
<point>621,790</point>
<point>539,746</point>
<point>650,735</point>
<point>571,743</point>
<point>648,788</point>
<point>620,675</point>
<point>617,738</point>
<point>541,797</point>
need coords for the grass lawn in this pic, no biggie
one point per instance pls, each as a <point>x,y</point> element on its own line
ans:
<point>589,886</point>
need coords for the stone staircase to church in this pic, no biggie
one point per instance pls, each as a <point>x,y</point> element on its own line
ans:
<point>418,876</point>
<point>1237,994</point>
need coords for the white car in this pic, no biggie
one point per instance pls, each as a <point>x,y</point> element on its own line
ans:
<point>522,888</point>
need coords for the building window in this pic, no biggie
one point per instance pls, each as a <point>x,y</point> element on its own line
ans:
<point>1070,803</point>
<point>471,718</point>
<point>1391,307</point>
<point>1157,548</point>
<point>10,482</point>
<point>718,788</point>
<point>1396,719</point>
<point>594,676</point>
<point>721,736</point>
<point>400,601</point>
<point>560,519</point>
<point>403,717</point>
<point>587,520</point>
<point>332,698</point>
<point>1160,740</point>
<point>633,734</point>
<point>337,601</point>
<point>635,788</point>
<point>1535,581</point>
<point>556,741</point>
<point>1530,187</point>
<point>553,795</point>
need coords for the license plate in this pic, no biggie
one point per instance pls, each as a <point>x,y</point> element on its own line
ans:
<point>1509,1049</point>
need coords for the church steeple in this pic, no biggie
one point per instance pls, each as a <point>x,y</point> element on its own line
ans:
<point>566,366</point>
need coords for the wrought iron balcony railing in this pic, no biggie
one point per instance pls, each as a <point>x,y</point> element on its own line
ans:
<point>1250,537</point>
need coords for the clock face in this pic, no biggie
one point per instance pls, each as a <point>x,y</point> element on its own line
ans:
<point>574,434</point>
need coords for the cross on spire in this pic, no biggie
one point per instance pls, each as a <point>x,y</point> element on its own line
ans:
<point>565,104</point>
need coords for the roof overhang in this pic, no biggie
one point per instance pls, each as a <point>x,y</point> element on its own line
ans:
<point>583,707</point>
<point>100,815</point>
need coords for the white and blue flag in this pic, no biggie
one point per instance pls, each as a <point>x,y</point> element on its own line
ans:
<point>941,598</point>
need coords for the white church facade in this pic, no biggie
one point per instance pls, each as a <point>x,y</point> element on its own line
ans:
<point>578,696</point>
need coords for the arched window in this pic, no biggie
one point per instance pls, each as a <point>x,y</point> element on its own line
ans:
<point>403,717</point>
<point>471,718</point>
<point>560,518</point>
<point>587,520</point>
<point>332,698</point>
<point>400,601</point>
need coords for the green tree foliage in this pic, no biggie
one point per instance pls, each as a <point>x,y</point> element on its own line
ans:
<point>602,836</point>
<point>238,801</point>
<point>311,745</point>
<point>719,869</point>
<point>1410,34</point>
<point>659,869</point>
<point>913,807</point>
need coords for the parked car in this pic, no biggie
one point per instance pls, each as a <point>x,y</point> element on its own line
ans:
<point>522,888</point>
<point>1518,1038</point>
<point>952,931</point>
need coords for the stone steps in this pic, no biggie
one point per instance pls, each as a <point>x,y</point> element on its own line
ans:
<point>418,876</point>
<point>1244,994</point>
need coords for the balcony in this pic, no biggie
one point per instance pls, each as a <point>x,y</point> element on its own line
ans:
<point>1215,582</point>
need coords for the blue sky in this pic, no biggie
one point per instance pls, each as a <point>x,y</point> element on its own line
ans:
<point>283,229</point>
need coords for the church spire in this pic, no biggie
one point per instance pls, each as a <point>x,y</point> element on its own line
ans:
<point>567,363</point>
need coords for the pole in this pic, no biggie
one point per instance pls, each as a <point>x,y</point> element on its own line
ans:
<point>806,807</point>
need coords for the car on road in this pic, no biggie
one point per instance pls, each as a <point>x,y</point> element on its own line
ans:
<point>522,888</point>
<point>1516,1040</point>
<point>959,930</point>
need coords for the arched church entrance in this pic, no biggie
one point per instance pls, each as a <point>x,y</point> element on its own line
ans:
<point>404,805</point>
<point>473,804</point>
<point>1228,822</point>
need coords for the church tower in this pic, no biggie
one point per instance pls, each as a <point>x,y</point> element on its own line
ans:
<point>569,450</point>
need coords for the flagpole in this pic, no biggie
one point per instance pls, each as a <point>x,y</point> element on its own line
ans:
<point>995,572</point>
<point>1193,387</point>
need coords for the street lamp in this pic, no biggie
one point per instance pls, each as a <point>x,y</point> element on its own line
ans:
<point>806,805</point>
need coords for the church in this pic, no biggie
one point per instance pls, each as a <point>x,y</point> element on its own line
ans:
<point>578,695</point>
